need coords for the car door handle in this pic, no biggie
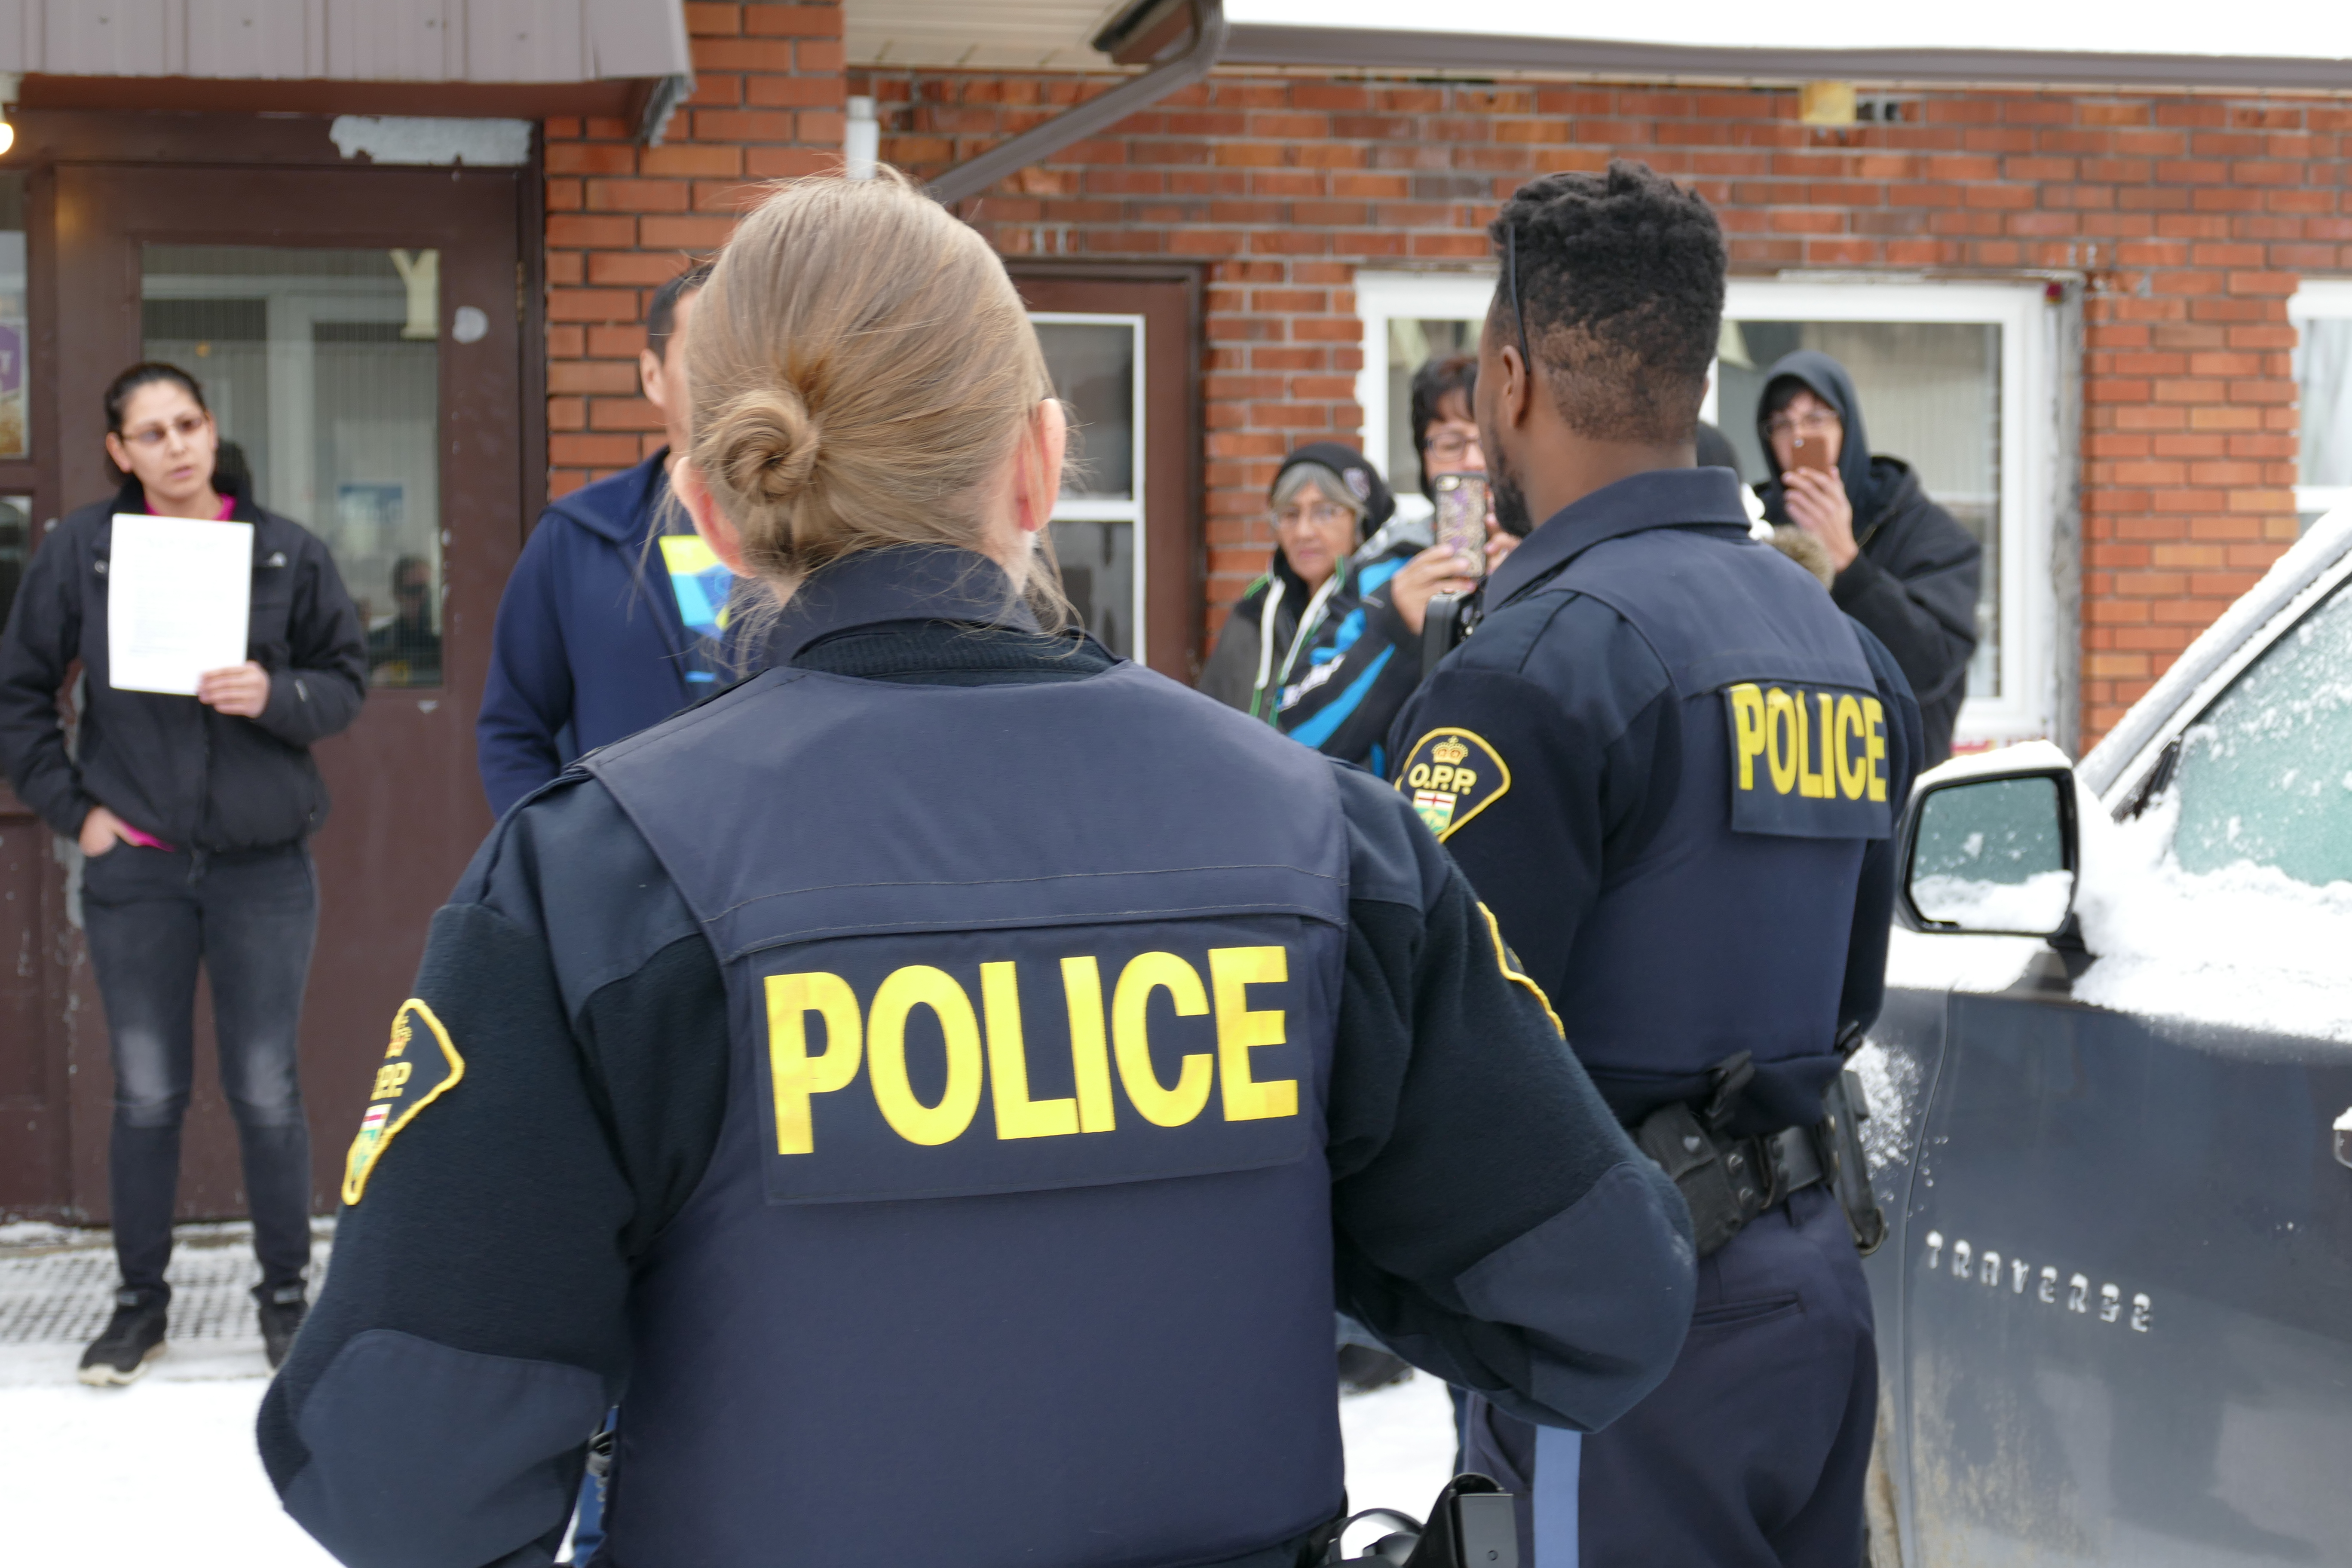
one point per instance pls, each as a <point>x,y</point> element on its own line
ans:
<point>2344,1138</point>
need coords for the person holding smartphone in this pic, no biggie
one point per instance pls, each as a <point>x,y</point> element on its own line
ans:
<point>1325,646</point>
<point>1901,565</point>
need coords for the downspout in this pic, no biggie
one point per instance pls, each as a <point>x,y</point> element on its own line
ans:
<point>1143,31</point>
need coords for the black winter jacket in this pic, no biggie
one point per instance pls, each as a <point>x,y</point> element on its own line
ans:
<point>166,764</point>
<point>1915,583</point>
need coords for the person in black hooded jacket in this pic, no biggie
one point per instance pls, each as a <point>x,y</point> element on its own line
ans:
<point>193,815</point>
<point>1906,568</point>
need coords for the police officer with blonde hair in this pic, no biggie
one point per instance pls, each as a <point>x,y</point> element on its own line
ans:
<point>942,1088</point>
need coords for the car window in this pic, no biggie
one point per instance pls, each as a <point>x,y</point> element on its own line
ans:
<point>2265,773</point>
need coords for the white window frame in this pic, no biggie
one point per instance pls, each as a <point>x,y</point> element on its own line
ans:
<point>2030,483</point>
<point>2320,299</point>
<point>1094,509</point>
<point>1384,296</point>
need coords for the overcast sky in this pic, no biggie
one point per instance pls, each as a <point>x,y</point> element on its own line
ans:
<point>2294,28</point>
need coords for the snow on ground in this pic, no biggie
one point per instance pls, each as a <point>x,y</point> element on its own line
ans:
<point>1400,1446</point>
<point>164,1470</point>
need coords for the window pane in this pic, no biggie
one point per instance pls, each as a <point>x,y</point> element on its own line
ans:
<point>323,368</point>
<point>2323,370</point>
<point>1412,344</point>
<point>1098,561</point>
<point>2265,773</point>
<point>1093,363</point>
<point>1930,394</point>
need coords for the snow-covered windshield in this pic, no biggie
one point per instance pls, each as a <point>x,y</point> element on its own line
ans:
<point>2265,773</point>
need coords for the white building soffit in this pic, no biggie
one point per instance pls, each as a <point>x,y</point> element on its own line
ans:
<point>501,41</point>
<point>1001,35</point>
<point>2252,45</point>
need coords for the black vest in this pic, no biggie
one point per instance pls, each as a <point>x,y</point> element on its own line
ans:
<point>1015,1246</point>
<point>1727,931</point>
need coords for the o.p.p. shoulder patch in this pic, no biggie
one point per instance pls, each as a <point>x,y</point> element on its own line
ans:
<point>1451,775</point>
<point>419,1067</point>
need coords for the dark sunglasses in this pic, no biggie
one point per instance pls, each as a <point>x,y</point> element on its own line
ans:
<point>1518,315</point>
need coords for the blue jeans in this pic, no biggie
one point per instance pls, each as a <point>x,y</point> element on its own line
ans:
<point>250,919</point>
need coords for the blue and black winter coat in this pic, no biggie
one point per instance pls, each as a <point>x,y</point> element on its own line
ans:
<point>1329,667</point>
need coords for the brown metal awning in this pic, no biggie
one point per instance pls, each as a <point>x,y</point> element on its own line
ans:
<point>525,58</point>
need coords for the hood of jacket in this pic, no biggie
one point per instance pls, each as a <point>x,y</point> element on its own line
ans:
<point>1827,380</point>
<point>623,507</point>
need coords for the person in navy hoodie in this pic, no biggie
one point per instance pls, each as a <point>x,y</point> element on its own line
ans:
<point>613,620</point>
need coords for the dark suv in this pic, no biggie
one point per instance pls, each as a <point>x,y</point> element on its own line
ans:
<point>2110,1123</point>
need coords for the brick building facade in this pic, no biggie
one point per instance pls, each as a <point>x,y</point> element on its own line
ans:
<point>2181,224</point>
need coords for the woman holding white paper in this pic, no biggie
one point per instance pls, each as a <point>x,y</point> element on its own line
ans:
<point>218,644</point>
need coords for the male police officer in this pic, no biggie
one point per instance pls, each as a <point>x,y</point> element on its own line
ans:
<point>1669,764</point>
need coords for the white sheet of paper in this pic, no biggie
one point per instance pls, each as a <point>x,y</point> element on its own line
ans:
<point>178,594</point>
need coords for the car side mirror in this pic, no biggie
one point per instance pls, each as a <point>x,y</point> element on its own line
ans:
<point>1992,853</point>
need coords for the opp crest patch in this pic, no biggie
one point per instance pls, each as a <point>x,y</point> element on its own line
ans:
<point>408,1081</point>
<point>1451,775</point>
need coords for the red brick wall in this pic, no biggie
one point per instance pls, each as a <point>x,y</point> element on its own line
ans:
<point>2190,217</point>
<point>622,218</point>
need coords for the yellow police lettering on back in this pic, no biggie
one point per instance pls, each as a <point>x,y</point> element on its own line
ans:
<point>986,1052</point>
<point>1823,756</point>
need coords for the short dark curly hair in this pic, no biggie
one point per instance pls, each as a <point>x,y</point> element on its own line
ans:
<point>1621,276</point>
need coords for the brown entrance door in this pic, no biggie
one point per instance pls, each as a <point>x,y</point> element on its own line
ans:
<point>356,331</point>
<point>1123,345</point>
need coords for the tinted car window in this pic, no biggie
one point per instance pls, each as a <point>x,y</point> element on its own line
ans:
<point>2265,773</point>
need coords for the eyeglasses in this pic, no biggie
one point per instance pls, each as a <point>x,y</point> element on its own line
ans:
<point>1451,447</point>
<point>1314,514</point>
<point>153,436</point>
<point>1812,422</point>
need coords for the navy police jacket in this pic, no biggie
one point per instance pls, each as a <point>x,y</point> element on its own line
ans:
<point>940,1089</point>
<point>1671,766</point>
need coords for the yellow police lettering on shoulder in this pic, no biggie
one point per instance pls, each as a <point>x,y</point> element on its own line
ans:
<point>1853,772</point>
<point>1232,972</point>
<point>1748,726</point>
<point>1875,715</point>
<point>1783,745</point>
<point>1131,1044</point>
<point>921,986</point>
<point>1017,1115</point>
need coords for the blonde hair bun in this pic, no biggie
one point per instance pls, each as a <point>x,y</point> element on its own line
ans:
<point>766,442</point>
<point>860,368</point>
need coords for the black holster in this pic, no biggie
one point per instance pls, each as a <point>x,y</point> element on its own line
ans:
<point>1843,1106</point>
<point>1728,1182</point>
<point>1718,1175</point>
<point>1471,1525</point>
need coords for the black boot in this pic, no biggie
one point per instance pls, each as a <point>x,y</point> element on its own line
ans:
<point>282,1307</point>
<point>133,1337</point>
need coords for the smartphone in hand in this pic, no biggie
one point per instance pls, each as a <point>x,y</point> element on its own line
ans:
<point>1462,517</point>
<point>1813,454</point>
